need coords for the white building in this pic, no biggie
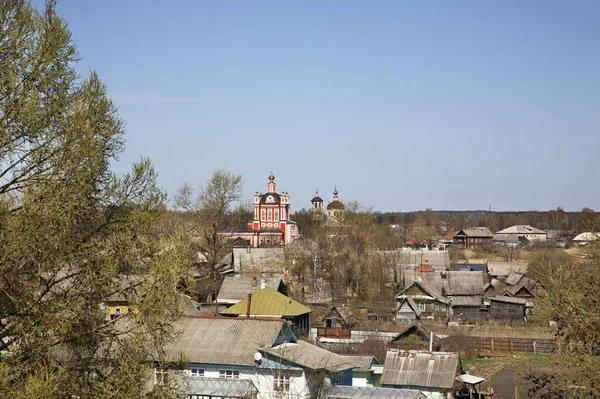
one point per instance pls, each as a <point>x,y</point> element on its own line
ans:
<point>523,231</point>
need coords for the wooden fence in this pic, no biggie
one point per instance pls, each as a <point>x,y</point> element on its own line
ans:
<point>501,344</point>
<point>343,333</point>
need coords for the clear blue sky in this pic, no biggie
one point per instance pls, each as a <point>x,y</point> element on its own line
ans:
<point>404,105</point>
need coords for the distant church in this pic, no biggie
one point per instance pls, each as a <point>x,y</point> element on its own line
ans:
<point>271,224</point>
<point>336,211</point>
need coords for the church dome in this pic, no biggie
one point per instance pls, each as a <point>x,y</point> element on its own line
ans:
<point>335,204</point>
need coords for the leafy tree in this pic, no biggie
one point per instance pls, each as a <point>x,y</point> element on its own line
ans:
<point>74,234</point>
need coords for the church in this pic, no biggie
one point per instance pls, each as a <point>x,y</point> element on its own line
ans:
<point>271,224</point>
<point>335,209</point>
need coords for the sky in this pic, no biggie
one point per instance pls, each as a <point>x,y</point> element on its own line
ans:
<point>402,105</point>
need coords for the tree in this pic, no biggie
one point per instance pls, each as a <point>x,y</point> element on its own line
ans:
<point>73,233</point>
<point>211,208</point>
<point>568,297</point>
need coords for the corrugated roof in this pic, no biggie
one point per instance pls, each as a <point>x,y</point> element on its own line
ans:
<point>224,340</point>
<point>425,287</point>
<point>406,258</point>
<point>364,362</point>
<point>521,229</point>
<point>236,288</point>
<point>420,369</point>
<point>311,356</point>
<point>346,392</point>
<point>219,387</point>
<point>268,302</point>
<point>503,269</point>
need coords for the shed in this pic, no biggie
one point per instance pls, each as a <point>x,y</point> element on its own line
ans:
<point>465,308</point>
<point>416,337</point>
<point>339,317</point>
<point>430,372</point>
<point>506,308</point>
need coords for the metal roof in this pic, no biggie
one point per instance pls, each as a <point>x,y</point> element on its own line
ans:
<point>268,302</point>
<point>230,341</point>
<point>521,229</point>
<point>410,258</point>
<point>346,392</point>
<point>236,288</point>
<point>364,362</point>
<point>219,387</point>
<point>311,356</point>
<point>470,379</point>
<point>420,368</point>
<point>586,237</point>
<point>503,269</point>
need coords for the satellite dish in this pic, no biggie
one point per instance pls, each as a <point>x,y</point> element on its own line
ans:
<point>257,357</point>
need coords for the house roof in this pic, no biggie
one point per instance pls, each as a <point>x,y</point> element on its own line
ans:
<point>450,235</point>
<point>348,392</point>
<point>472,301</point>
<point>406,258</point>
<point>428,290</point>
<point>364,362</point>
<point>586,237</point>
<point>464,283</point>
<point>412,305</point>
<point>424,268</point>
<point>416,328</point>
<point>521,229</point>
<point>219,387</point>
<point>311,356</point>
<point>476,232</point>
<point>504,269</point>
<point>344,312</point>
<point>236,288</point>
<point>226,341</point>
<point>268,302</point>
<point>420,368</point>
<point>508,299</point>
<point>476,267</point>
<point>259,260</point>
<point>514,278</point>
<point>512,291</point>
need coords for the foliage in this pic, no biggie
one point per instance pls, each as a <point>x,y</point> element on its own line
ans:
<point>73,234</point>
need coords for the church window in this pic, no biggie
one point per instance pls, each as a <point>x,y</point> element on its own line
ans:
<point>276,215</point>
<point>270,215</point>
<point>262,214</point>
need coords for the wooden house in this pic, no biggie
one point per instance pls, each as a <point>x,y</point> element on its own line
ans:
<point>416,337</point>
<point>506,308</point>
<point>339,317</point>
<point>418,301</point>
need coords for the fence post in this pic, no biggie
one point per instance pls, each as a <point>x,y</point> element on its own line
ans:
<point>511,346</point>
<point>492,341</point>
<point>534,350</point>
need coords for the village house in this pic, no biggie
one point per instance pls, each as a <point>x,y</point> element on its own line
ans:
<point>368,374</point>
<point>432,373</point>
<point>340,317</point>
<point>270,303</point>
<point>419,301</point>
<point>501,270</point>
<point>474,237</point>
<point>526,232</point>
<point>247,358</point>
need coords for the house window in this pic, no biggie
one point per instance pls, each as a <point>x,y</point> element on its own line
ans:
<point>337,378</point>
<point>161,376</point>
<point>117,310</point>
<point>229,374</point>
<point>262,214</point>
<point>270,217</point>
<point>422,307</point>
<point>196,372</point>
<point>281,383</point>
<point>276,215</point>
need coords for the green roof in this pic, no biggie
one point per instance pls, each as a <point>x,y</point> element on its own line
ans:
<point>268,302</point>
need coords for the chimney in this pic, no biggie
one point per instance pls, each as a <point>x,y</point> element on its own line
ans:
<point>249,303</point>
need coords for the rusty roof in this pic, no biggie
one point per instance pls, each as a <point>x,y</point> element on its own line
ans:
<point>420,369</point>
<point>229,341</point>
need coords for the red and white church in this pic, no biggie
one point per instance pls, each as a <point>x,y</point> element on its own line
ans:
<point>271,224</point>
